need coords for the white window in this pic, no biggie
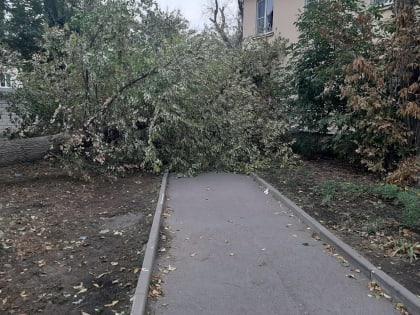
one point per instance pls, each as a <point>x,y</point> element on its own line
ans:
<point>264,16</point>
<point>5,80</point>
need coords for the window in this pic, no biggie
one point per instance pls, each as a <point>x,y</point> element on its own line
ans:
<point>264,16</point>
<point>5,81</point>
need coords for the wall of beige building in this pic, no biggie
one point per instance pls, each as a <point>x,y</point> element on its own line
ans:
<point>285,15</point>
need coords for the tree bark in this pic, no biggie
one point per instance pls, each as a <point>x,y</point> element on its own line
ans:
<point>2,10</point>
<point>29,150</point>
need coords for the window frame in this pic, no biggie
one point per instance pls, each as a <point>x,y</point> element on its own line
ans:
<point>267,26</point>
<point>5,80</point>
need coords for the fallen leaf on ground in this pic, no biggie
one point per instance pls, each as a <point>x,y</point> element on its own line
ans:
<point>402,309</point>
<point>387,296</point>
<point>79,287</point>
<point>155,290</point>
<point>41,263</point>
<point>316,236</point>
<point>102,274</point>
<point>115,302</point>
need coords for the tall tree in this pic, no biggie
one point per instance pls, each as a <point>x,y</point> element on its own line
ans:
<point>26,20</point>
<point>58,12</point>
<point>329,31</point>
<point>383,94</point>
<point>405,64</point>
<point>24,28</point>
<point>231,35</point>
<point>2,13</point>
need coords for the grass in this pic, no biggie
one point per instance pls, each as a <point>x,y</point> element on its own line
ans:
<point>409,198</point>
<point>375,225</point>
<point>332,190</point>
<point>329,191</point>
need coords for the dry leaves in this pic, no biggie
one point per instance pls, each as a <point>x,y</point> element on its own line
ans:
<point>115,302</point>
<point>168,269</point>
<point>155,289</point>
<point>377,291</point>
<point>315,236</point>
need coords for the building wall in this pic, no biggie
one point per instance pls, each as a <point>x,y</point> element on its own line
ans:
<point>4,116</point>
<point>285,15</point>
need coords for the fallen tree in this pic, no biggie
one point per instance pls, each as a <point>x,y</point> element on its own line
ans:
<point>29,150</point>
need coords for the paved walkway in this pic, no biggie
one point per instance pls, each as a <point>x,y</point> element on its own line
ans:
<point>238,251</point>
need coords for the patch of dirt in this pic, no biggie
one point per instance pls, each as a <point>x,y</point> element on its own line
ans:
<point>341,197</point>
<point>69,246</point>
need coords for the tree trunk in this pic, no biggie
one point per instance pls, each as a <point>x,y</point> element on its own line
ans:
<point>2,17</point>
<point>29,150</point>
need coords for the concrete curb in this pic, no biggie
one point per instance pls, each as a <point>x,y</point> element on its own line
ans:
<point>142,289</point>
<point>388,284</point>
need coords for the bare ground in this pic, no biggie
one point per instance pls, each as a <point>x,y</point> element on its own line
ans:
<point>70,246</point>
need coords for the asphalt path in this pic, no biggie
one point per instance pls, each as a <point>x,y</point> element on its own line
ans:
<point>235,250</point>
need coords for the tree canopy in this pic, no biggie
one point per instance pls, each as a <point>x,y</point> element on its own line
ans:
<point>354,75</point>
<point>136,89</point>
<point>23,22</point>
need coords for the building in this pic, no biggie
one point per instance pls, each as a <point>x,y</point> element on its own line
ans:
<point>268,18</point>
<point>5,88</point>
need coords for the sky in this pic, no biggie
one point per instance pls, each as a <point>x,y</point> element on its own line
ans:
<point>192,10</point>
